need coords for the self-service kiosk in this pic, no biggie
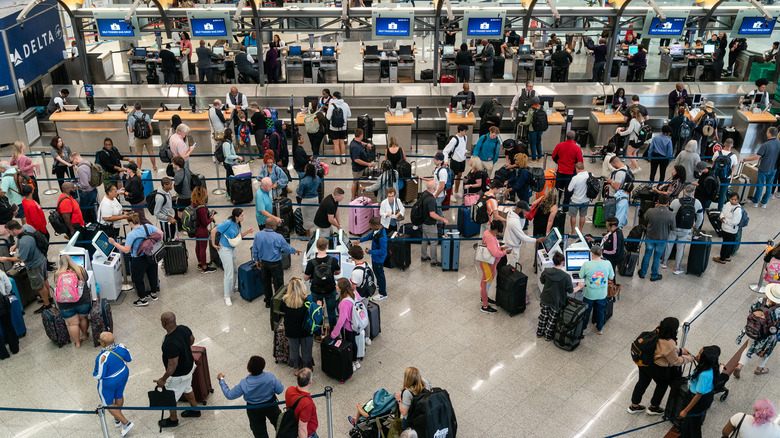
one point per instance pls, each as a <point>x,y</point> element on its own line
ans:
<point>338,248</point>
<point>107,266</point>
<point>80,257</point>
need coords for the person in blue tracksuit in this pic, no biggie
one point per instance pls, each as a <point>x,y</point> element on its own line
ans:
<point>111,372</point>
<point>378,252</point>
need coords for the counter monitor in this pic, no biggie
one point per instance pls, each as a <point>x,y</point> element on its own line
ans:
<point>116,106</point>
<point>633,50</point>
<point>548,99</point>
<point>525,49</point>
<point>448,50</point>
<point>219,50</point>
<point>70,107</point>
<point>480,48</point>
<point>709,49</point>
<point>172,107</point>
<point>675,49</point>
<point>405,51</point>
<point>371,51</point>
<point>251,51</point>
<point>139,52</point>
<point>79,260</point>
<point>462,98</point>
<point>395,99</point>
<point>608,99</point>
<point>576,258</point>
<point>329,51</point>
<point>696,100</point>
<point>294,51</point>
<point>336,254</point>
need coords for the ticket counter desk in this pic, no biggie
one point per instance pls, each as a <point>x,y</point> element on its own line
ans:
<point>453,120</point>
<point>552,136</point>
<point>752,129</point>
<point>200,129</point>
<point>602,126</point>
<point>84,132</point>
<point>400,127</point>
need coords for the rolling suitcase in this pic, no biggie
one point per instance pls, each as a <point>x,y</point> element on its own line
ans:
<point>336,359</point>
<point>201,378</point>
<point>55,327</point>
<point>560,221</point>
<point>511,289</point>
<point>450,250</point>
<point>146,179</point>
<point>698,255</point>
<point>286,258</point>
<point>628,264</point>
<point>679,397</point>
<point>374,320</point>
<point>571,322</point>
<point>214,255</point>
<point>607,311</point>
<point>281,344</point>
<point>283,209</point>
<point>411,231</point>
<point>17,320</point>
<point>399,253</point>
<point>5,251</point>
<point>276,307</point>
<point>298,222</point>
<point>717,225</point>
<point>366,123</point>
<point>100,319</point>
<point>745,192</point>
<point>26,294</point>
<point>466,226</point>
<point>249,284</point>
<point>599,220</point>
<point>240,190</point>
<point>750,171</point>
<point>359,215</point>
<point>175,260</point>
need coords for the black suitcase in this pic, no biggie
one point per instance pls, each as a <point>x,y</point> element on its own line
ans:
<point>411,231</point>
<point>240,190</point>
<point>498,68</point>
<point>679,397</point>
<point>560,221</point>
<point>337,359</point>
<point>175,260</point>
<point>399,253</point>
<point>366,123</point>
<point>511,289</point>
<point>22,280</point>
<point>283,209</point>
<point>214,255</point>
<point>607,311</point>
<point>571,322</point>
<point>717,225</point>
<point>286,258</point>
<point>628,265</point>
<point>374,320</point>
<point>698,255</point>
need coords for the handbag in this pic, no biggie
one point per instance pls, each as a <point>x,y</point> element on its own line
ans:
<point>218,136</point>
<point>242,169</point>
<point>613,289</point>
<point>162,398</point>
<point>235,241</point>
<point>532,212</point>
<point>484,255</point>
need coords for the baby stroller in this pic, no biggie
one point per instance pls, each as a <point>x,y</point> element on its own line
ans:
<point>376,417</point>
<point>719,386</point>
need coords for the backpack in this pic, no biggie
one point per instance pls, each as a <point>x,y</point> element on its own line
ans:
<point>287,425</point>
<point>496,113</point>
<point>150,244</point>
<point>219,153</point>
<point>721,167</point>
<point>686,214</point>
<point>708,123</point>
<point>359,315</point>
<point>594,186</point>
<point>166,154</point>
<point>431,414</point>
<point>141,128</point>
<point>266,145</point>
<point>628,182</point>
<point>644,133</point>
<point>189,219</point>
<point>450,177</point>
<point>539,121</point>
<point>337,118</point>
<point>68,289</point>
<point>56,220</point>
<point>418,214</point>
<point>715,195</point>
<point>311,123</point>
<point>151,201</point>
<point>194,181</point>
<point>367,287</point>
<point>537,180</point>
<point>479,210</point>
<point>638,232</point>
<point>21,179</point>
<point>270,120</point>
<point>95,175</point>
<point>745,220</point>
<point>759,326</point>
<point>772,272</point>
<point>314,316</point>
<point>322,277</point>
<point>244,134</point>
<point>40,240</point>
<point>643,348</point>
<point>686,129</point>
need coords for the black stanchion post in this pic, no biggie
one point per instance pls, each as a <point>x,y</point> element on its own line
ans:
<point>49,191</point>
<point>219,190</point>
<point>686,329</point>
<point>417,113</point>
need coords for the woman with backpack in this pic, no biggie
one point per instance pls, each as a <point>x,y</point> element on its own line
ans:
<point>348,296</point>
<point>316,125</point>
<point>61,155</point>
<point>230,236</point>
<point>387,180</point>
<point>632,131</point>
<point>258,124</point>
<point>278,177</point>
<point>706,124</point>
<point>476,179</point>
<point>199,201</point>
<point>229,152</point>
<point>142,265</point>
<point>295,307</point>
<point>73,298</point>
<point>488,270</point>
<point>765,310</point>
<point>338,114</point>
<point>730,218</point>
<point>701,385</point>
<point>26,166</point>
<point>244,135</point>
<point>519,182</point>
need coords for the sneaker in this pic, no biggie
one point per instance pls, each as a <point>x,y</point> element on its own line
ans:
<point>190,414</point>
<point>378,297</point>
<point>228,302</point>
<point>763,205</point>
<point>167,422</point>
<point>141,303</point>
<point>42,308</point>
<point>488,309</point>
<point>208,270</point>
<point>600,332</point>
<point>117,423</point>
<point>654,410</point>
<point>344,161</point>
<point>126,428</point>
<point>679,271</point>
<point>153,296</point>
<point>368,340</point>
<point>435,264</point>
<point>354,367</point>
<point>357,365</point>
<point>755,205</point>
<point>491,301</point>
<point>425,259</point>
<point>636,409</point>
<point>663,265</point>
<point>656,278</point>
<point>334,162</point>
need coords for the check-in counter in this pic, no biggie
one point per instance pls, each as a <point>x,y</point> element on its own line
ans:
<point>752,129</point>
<point>602,126</point>
<point>200,129</point>
<point>84,132</point>
<point>400,127</point>
<point>552,136</point>
<point>453,120</point>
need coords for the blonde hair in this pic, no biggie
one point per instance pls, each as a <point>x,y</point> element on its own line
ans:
<point>413,380</point>
<point>636,114</point>
<point>134,218</point>
<point>392,141</point>
<point>296,293</point>
<point>476,163</point>
<point>18,146</point>
<point>67,264</point>
<point>254,105</point>
<point>521,160</point>
<point>550,199</point>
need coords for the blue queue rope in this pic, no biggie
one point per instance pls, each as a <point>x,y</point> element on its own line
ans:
<point>626,432</point>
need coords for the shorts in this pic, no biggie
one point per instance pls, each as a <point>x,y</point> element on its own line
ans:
<point>82,309</point>
<point>180,384</point>
<point>37,277</point>
<point>113,388</point>
<point>582,209</point>
<point>140,144</point>
<point>357,175</point>
<point>338,135</point>
<point>457,166</point>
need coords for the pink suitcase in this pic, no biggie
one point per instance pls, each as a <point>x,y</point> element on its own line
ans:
<point>359,215</point>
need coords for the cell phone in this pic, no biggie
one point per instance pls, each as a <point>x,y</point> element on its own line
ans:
<point>194,144</point>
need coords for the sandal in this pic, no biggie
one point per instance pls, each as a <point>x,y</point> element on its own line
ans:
<point>759,371</point>
<point>736,373</point>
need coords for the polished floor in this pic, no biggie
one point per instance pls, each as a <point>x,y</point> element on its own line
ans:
<point>502,380</point>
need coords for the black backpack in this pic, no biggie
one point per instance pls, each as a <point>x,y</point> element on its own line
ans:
<point>537,180</point>
<point>287,425</point>
<point>479,210</point>
<point>638,232</point>
<point>219,153</point>
<point>431,414</point>
<point>141,128</point>
<point>644,133</point>
<point>418,214</point>
<point>40,240</point>
<point>322,275</point>
<point>721,167</point>
<point>539,121</point>
<point>643,348</point>
<point>628,182</point>
<point>368,286</point>
<point>686,214</point>
<point>151,201</point>
<point>594,186</point>
<point>166,154</point>
<point>57,221</point>
<point>337,117</point>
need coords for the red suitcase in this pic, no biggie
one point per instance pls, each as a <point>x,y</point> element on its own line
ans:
<point>201,379</point>
<point>447,79</point>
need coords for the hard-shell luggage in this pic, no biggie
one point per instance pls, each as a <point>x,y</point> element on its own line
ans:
<point>750,171</point>
<point>100,319</point>
<point>146,179</point>
<point>17,318</point>
<point>366,123</point>
<point>511,289</point>
<point>298,222</point>
<point>201,378</point>
<point>627,266</point>
<point>283,209</point>
<point>281,345</point>
<point>276,307</point>
<point>26,294</point>
<point>447,79</point>
<point>5,251</point>
<point>608,310</point>
<point>745,192</point>
<point>176,260</point>
<point>560,221</point>
<point>374,320</point>
<point>410,190</point>
<point>411,231</point>
<point>55,327</point>
<point>466,226</point>
<point>571,322</point>
<point>399,253</point>
<point>450,250</point>
<point>717,225</point>
<point>286,258</point>
<point>214,255</point>
<point>360,344</point>
<point>337,359</point>
<point>249,284</point>
<point>359,215</point>
<point>679,397</point>
<point>240,190</point>
<point>698,255</point>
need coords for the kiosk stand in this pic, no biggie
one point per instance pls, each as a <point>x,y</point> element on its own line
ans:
<point>107,266</point>
<point>80,257</point>
<point>338,248</point>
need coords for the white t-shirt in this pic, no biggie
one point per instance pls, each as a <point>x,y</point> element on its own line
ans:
<point>440,176</point>
<point>108,208</point>
<point>579,188</point>
<point>357,275</point>
<point>749,430</point>
<point>618,176</point>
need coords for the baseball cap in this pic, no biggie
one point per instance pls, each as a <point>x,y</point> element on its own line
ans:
<point>701,165</point>
<point>132,166</point>
<point>439,156</point>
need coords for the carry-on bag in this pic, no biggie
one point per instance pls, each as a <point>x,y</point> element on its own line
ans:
<point>450,250</point>
<point>281,345</point>
<point>100,319</point>
<point>399,253</point>
<point>336,358</point>
<point>161,398</point>
<point>201,378</point>
<point>699,255</point>
<point>17,319</point>
<point>359,215</point>
<point>717,225</point>
<point>627,266</point>
<point>175,260</point>
<point>276,307</point>
<point>374,320</point>
<point>511,289</point>
<point>571,322</point>
<point>249,284</point>
<point>466,226</point>
<point>431,414</point>
<point>55,327</point>
<point>240,190</point>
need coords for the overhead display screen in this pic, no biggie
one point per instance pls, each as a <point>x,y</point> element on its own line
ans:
<point>114,27</point>
<point>208,27</point>
<point>673,26</point>
<point>393,26</point>
<point>485,26</point>
<point>756,26</point>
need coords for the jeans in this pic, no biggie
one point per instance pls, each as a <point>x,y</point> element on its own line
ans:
<point>271,272</point>
<point>87,205</point>
<point>724,189</point>
<point>681,235</point>
<point>143,266</point>
<point>764,179</point>
<point>430,232</point>
<point>652,373</point>
<point>381,282</point>
<point>535,144</point>
<point>597,306</point>
<point>598,71</point>
<point>229,265</point>
<point>330,304</point>
<point>169,77</point>
<point>300,352</point>
<point>653,250</point>
<point>257,418</point>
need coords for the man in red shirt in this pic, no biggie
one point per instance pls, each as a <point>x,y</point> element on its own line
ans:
<point>33,212</point>
<point>306,411</point>
<point>69,209</point>
<point>566,155</point>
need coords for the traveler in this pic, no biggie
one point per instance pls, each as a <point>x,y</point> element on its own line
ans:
<point>322,270</point>
<point>229,151</point>
<point>476,179</point>
<point>511,149</point>
<point>768,154</point>
<point>737,46</point>
<point>578,193</point>
<point>488,270</point>
<point>642,109</point>
<point>487,55</point>
<point>675,186</point>
<point>26,166</point>
<point>277,142</point>
<point>258,388</point>
<point>378,253</point>
<point>464,59</point>
<point>229,231</point>
<point>163,209</point>
<point>179,366</point>
<point>386,181</point>
<point>12,191</point>
<point>637,64</point>
<point>360,161</point>
<point>701,385</point>
<point>86,193</point>
<point>110,213</point>
<point>179,145</point>
<point>327,215</point>
<point>306,410</point>
<point>300,157</point>
<point>61,155</point>
<point>268,247</point>
<point>258,123</point>
<point>557,287</point>
<point>661,153</point>
<point>139,125</point>
<point>706,124</point>
<point>455,155</point>
<point>599,58</point>
<point>348,296</point>
<point>316,115</point>
<point>440,178</point>
<point>26,250</point>
<point>706,186</point>
<point>199,200</point>
<point>534,137</point>
<point>490,113</point>
<point>391,211</point>
<point>566,154</point>
<point>134,192</point>
<point>244,64</point>
<point>275,173</point>
<point>296,313</point>
<point>111,372</point>
<point>561,60</point>
<point>520,181</point>
<point>338,114</point>
<point>666,356</point>
<point>69,209</point>
<point>632,131</point>
<point>142,265</point>
<point>757,425</point>
<point>488,148</point>
<point>730,218</point>
<point>168,65</point>
<point>308,191</point>
<point>514,236</point>
<point>612,243</point>
<point>430,232</point>
<point>688,159</point>
<point>677,123</point>
<point>767,308</point>
<point>182,183</point>
<point>660,223</point>
<point>395,153</point>
<point>33,212</point>
<point>414,384</point>
<point>205,55</point>
<point>728,171</point>
<point>73,297</point>
<point>546,209</point>
<point>689,216</point>
<point>264,202</point>
<point>110,159</point>
<point>596,274</point>
<point>677,98</point>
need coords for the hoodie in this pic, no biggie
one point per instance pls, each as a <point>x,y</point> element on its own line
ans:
<point>278,144</point>
<point>8,185</point>
<point>344,108</point>
<point>557,285</point>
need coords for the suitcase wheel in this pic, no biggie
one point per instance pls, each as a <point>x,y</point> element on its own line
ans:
<point>724,396</point>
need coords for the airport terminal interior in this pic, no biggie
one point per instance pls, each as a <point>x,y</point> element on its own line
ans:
<point>78,70</point>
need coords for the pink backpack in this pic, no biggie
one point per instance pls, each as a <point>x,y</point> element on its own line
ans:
<point>772,274</point>
<point>67,289</point>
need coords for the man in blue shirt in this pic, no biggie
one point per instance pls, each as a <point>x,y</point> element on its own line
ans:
<point>257,388</point>
<point>264,204</point>
<point>768,153</point>
<point>267,250</point>
<point>378,252</point>
<point>488,148</point>
<point>661,152</point>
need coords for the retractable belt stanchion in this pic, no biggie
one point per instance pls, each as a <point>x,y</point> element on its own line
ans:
<point>760,287</point>
<point>329,404</point>
<point>49,191</point>
<point>219,190</point>
<point>102,415</point>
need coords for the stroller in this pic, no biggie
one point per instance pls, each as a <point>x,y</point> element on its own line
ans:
<point>377,416</point>
<point>719,386</point>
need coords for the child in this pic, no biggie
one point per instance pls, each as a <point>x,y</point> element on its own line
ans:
<point>701,386</point>
<point>244,135</point>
